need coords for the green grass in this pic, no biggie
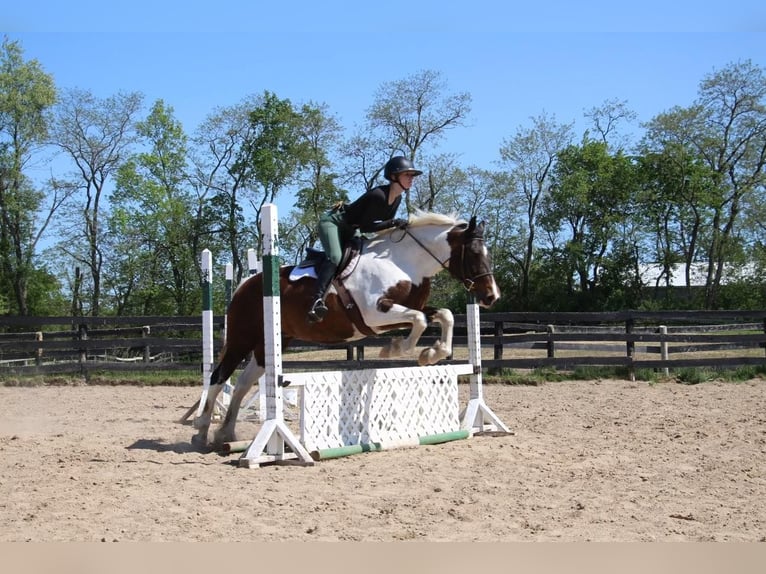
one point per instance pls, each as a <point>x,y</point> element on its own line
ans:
<point>687,375</point>
<point>191,377</point>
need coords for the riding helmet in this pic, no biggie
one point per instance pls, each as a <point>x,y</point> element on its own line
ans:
<point>399,164</point>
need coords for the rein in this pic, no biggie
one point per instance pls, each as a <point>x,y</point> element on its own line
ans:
<point>468,282</point>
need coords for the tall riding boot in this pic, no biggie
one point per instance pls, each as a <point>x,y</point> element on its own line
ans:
<point>324,277</point>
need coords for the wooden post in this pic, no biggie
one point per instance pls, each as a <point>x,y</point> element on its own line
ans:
<point>39,353</point>
<point>551,330</point>
<point>498,348</point>
<point>664,347</point>
<point>145,332</point>
<point>630,348</point>
<point>82,335</point>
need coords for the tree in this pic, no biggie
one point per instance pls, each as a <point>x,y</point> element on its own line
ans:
<point>406,114</point>
<point>154,235</point>
<point>589,201</point>
<point>26,93</point>
<point>318,190</point>
<point>95,134</point>
<point>528,158</point>
<point>725,129</point>
<point>249,152</point>
<point>606,120</point>
<point>673,208</point>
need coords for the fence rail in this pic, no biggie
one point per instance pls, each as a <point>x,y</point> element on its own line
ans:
<point>527,340</point>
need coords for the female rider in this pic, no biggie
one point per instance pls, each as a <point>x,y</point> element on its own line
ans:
<point>372,211</point>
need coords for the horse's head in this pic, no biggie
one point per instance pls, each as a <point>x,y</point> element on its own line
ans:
<point>470,262</point>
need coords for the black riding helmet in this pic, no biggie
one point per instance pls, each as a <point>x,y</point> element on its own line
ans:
<point>397,165</point>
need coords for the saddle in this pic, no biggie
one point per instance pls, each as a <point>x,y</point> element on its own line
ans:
<point>314,257</point>
<point>351,252</point>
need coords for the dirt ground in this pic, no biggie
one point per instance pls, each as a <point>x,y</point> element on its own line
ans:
<point>588,461</point>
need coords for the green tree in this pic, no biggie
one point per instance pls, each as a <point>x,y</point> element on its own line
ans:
<point>96,135</point>
<point>528,159</point>
<point>26,93</point>
<point>318,190</point>
<point>674,210</point>
<point>725,130</point>
<point>246,155</point>
<point>588,203</point>
<point>407,114</point>
<point>154,235</point>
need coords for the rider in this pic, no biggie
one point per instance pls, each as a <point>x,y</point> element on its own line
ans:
<point>372,211</point>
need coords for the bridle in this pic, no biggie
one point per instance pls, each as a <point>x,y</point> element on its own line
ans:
<point>468,282</point>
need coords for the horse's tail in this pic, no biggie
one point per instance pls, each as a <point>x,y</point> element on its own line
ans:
<point>228,360</point>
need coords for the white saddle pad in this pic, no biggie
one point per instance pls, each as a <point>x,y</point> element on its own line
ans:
<point>301,272</point>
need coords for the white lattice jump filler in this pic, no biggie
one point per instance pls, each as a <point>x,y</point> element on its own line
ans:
<point>342,412</point>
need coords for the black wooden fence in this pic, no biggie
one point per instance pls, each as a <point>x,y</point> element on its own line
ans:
<point>563,341</point>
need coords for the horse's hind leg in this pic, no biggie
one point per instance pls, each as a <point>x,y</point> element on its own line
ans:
<point>442,348</point>
<point>245,381</point>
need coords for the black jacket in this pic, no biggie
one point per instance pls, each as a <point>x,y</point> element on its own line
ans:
<point>371,211</point>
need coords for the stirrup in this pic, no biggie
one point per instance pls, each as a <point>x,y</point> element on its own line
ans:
<point>317,312</point>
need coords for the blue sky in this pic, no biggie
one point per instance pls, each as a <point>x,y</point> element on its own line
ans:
<point>557,57</point>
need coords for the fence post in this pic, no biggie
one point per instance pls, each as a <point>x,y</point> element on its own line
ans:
<point>145,332</point>
<point>498,349</point>
<point>551,330</point>
<point>82,335</point>
<point>664,347</point>
<point>630,348</point>
<point>39,353</point>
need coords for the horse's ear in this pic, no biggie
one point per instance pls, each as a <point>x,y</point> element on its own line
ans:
<point>471,225</point>
<point>480,229</point>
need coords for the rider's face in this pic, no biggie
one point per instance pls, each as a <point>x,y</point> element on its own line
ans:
<point>406,179</point>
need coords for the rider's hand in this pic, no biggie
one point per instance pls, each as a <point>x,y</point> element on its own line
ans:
<point>399,223</point>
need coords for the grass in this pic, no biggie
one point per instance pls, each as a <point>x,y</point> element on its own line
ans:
<point>192,377</point>
<point>687,375</point>
<point>137,378</point>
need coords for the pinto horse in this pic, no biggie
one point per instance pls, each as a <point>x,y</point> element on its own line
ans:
<point>386,287</point>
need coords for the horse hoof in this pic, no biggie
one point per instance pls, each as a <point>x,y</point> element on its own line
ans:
<point>199,442</point>
<point>223,438</point>
<point>427,357</point>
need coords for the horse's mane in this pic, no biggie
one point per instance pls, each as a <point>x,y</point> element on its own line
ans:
<point>420,218</point>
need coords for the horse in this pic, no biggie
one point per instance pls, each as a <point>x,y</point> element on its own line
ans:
<point>385,287</point>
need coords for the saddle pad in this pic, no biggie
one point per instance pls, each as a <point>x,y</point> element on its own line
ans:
<point>301,272</point>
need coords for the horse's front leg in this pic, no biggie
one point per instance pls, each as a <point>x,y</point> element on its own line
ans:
<point>398,346</point>
<point>442,348</point>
